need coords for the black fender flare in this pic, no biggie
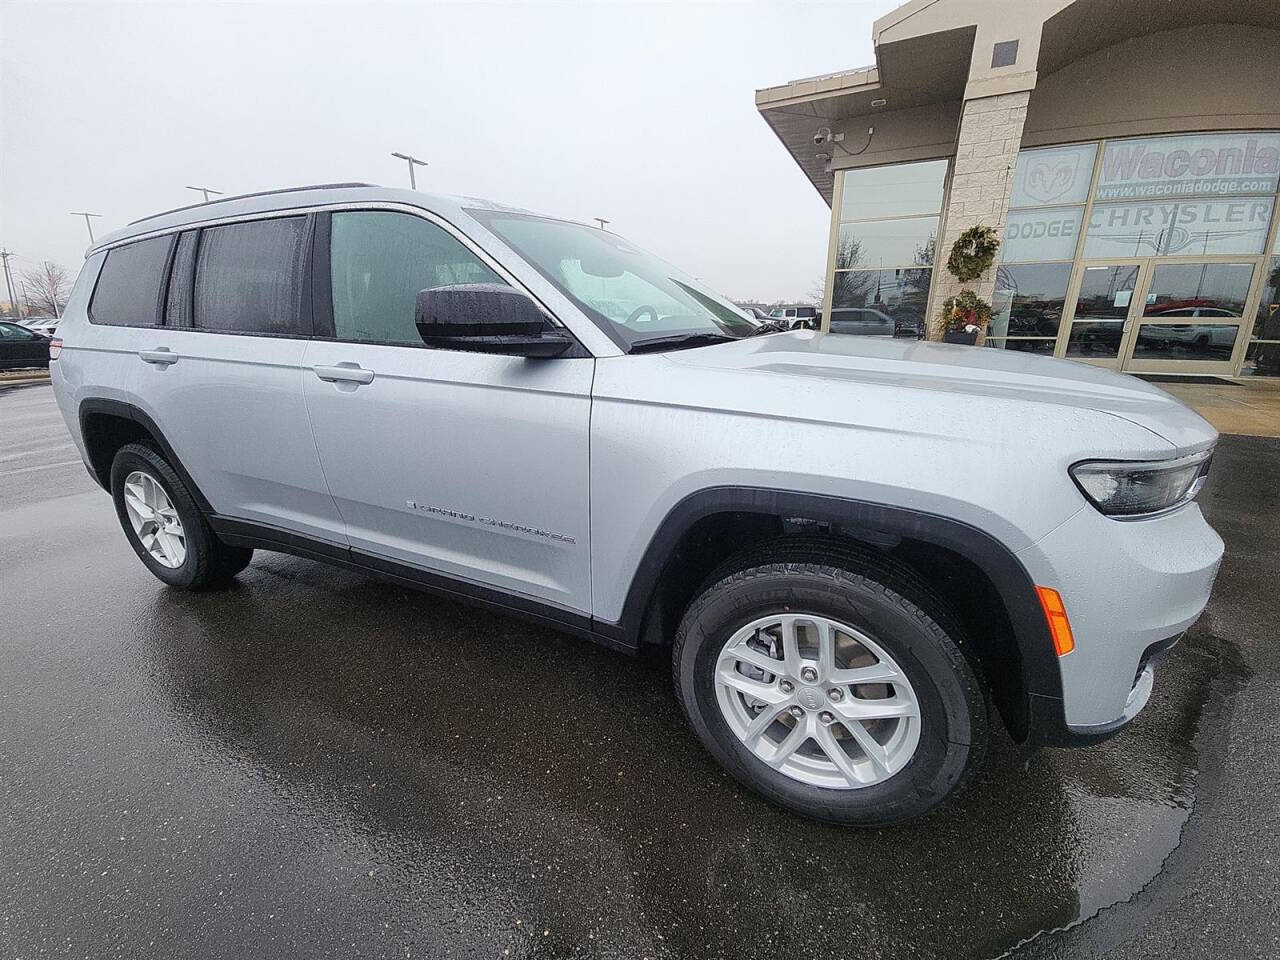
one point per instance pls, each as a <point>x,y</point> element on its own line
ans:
<point>1041,676</point>
<point>128,411</point>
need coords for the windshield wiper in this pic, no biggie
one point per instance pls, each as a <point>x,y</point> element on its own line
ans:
<point>771,326</point>
<point>678,342</point>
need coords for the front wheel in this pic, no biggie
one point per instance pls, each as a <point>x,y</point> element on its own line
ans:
<point>828,691</point>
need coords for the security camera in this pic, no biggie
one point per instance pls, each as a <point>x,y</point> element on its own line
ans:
<point>822,136</point>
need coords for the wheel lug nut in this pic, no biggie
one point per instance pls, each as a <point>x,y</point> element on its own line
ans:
<point>808,674</point>
<point>786,686</point>
<point>796,712</point>
<point>826,717</point>
<point>835,695</point>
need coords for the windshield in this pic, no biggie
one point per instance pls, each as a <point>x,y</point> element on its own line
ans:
<point>632,295</point>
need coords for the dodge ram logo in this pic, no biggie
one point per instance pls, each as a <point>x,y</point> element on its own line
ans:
<point>1051,179</point>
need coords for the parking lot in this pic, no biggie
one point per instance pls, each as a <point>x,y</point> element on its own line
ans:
<point>317,764</point>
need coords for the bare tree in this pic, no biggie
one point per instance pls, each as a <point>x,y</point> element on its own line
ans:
<point>850,288</point>
<point>48,287</point>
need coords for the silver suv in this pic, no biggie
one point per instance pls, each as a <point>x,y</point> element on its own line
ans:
<point>854,547</point>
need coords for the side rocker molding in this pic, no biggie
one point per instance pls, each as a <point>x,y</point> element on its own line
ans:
<point>1041,677</point>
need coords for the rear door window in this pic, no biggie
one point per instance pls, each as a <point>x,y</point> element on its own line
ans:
<point>249,277</point>
<point>128,289</point>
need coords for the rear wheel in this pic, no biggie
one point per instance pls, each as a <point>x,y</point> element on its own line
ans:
<point>832,691</point>
<point>164,525</point>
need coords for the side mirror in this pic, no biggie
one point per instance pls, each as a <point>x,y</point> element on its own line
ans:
<point>486,318</point>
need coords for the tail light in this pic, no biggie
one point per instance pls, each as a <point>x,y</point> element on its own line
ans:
<point>55,348</point>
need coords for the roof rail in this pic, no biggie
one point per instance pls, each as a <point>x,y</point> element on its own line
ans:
<point>246,196</point>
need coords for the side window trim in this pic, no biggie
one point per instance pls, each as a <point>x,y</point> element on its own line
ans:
<point>162,311</point>
<point>322,327</point>
<point>306,302</point>
<point>188,288</point>
<point>163,293</point>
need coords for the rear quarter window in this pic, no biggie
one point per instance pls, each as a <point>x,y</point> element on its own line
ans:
<point>128,289</point>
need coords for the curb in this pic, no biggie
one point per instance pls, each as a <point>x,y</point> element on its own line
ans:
<point>29,381</point>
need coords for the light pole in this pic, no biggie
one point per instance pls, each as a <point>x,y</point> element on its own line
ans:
<point>413,183</point>
<point>88,225</point>
<point>206,191</point>
<point>602,221</point>
<point>8,281</point>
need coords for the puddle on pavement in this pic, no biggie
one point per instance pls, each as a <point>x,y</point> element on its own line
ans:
<point>498,773</point>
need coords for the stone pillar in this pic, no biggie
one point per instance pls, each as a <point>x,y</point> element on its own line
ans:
<point>981,178</point>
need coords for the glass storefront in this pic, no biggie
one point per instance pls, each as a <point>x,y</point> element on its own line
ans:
<point>1262,356</point>
<point>884,248</point>
<point>1145,254</point>
<point>1149,254</point>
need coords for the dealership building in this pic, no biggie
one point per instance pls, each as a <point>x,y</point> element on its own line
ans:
<point>1127,152</point>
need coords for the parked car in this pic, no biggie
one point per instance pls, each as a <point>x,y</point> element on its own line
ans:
<point>855,547</point>
<point>42,325</point>
<point>20,347</point>
<point>798,317</point>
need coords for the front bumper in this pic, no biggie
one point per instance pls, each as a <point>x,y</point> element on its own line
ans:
<point>1131,588</point>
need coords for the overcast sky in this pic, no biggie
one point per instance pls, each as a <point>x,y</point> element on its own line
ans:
<point>641,113</point>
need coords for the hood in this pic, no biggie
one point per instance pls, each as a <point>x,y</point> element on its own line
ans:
<point>960,371</point>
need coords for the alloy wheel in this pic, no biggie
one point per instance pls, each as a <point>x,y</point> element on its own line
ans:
<point>154,519</point>
<point>817,700</point>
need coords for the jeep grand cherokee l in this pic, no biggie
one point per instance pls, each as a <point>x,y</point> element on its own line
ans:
<point>859,550</point>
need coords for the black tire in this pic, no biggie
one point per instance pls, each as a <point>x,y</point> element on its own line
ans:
<point>891,607</point>
<point>209,563</point>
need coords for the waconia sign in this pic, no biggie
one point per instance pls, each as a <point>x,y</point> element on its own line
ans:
<point>1223,164</point>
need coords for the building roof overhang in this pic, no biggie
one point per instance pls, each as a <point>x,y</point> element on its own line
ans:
<point>925,54</point>
<point>913,72</point>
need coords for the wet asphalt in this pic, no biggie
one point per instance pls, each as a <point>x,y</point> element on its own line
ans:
<point>316,764</point>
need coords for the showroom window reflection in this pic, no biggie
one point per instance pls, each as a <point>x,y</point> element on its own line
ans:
<point>885,248</point>
<point>1046,210</point>
<point>1262,357</point>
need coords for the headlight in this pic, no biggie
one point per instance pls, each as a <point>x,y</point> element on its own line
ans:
<point>1130,490</point>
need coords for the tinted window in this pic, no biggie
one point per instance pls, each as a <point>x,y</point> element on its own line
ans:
<point>1029,299</point>
<point>899,190</point>
<point>249,277</point>
<point>880,302</point>
<point>128,290</point>
<point>11,331</point>
<point>177,310</point>
<point>378,261</point>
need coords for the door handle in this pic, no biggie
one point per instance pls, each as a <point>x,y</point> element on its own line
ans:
<point>160,355</point>
<point>344,373</point>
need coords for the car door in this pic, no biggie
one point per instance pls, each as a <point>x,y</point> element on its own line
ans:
<point>469,465</point>
<point>222,375</point>
<point>19,347</point>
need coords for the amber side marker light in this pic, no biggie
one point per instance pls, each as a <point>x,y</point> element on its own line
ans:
<point>1055,615</point>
